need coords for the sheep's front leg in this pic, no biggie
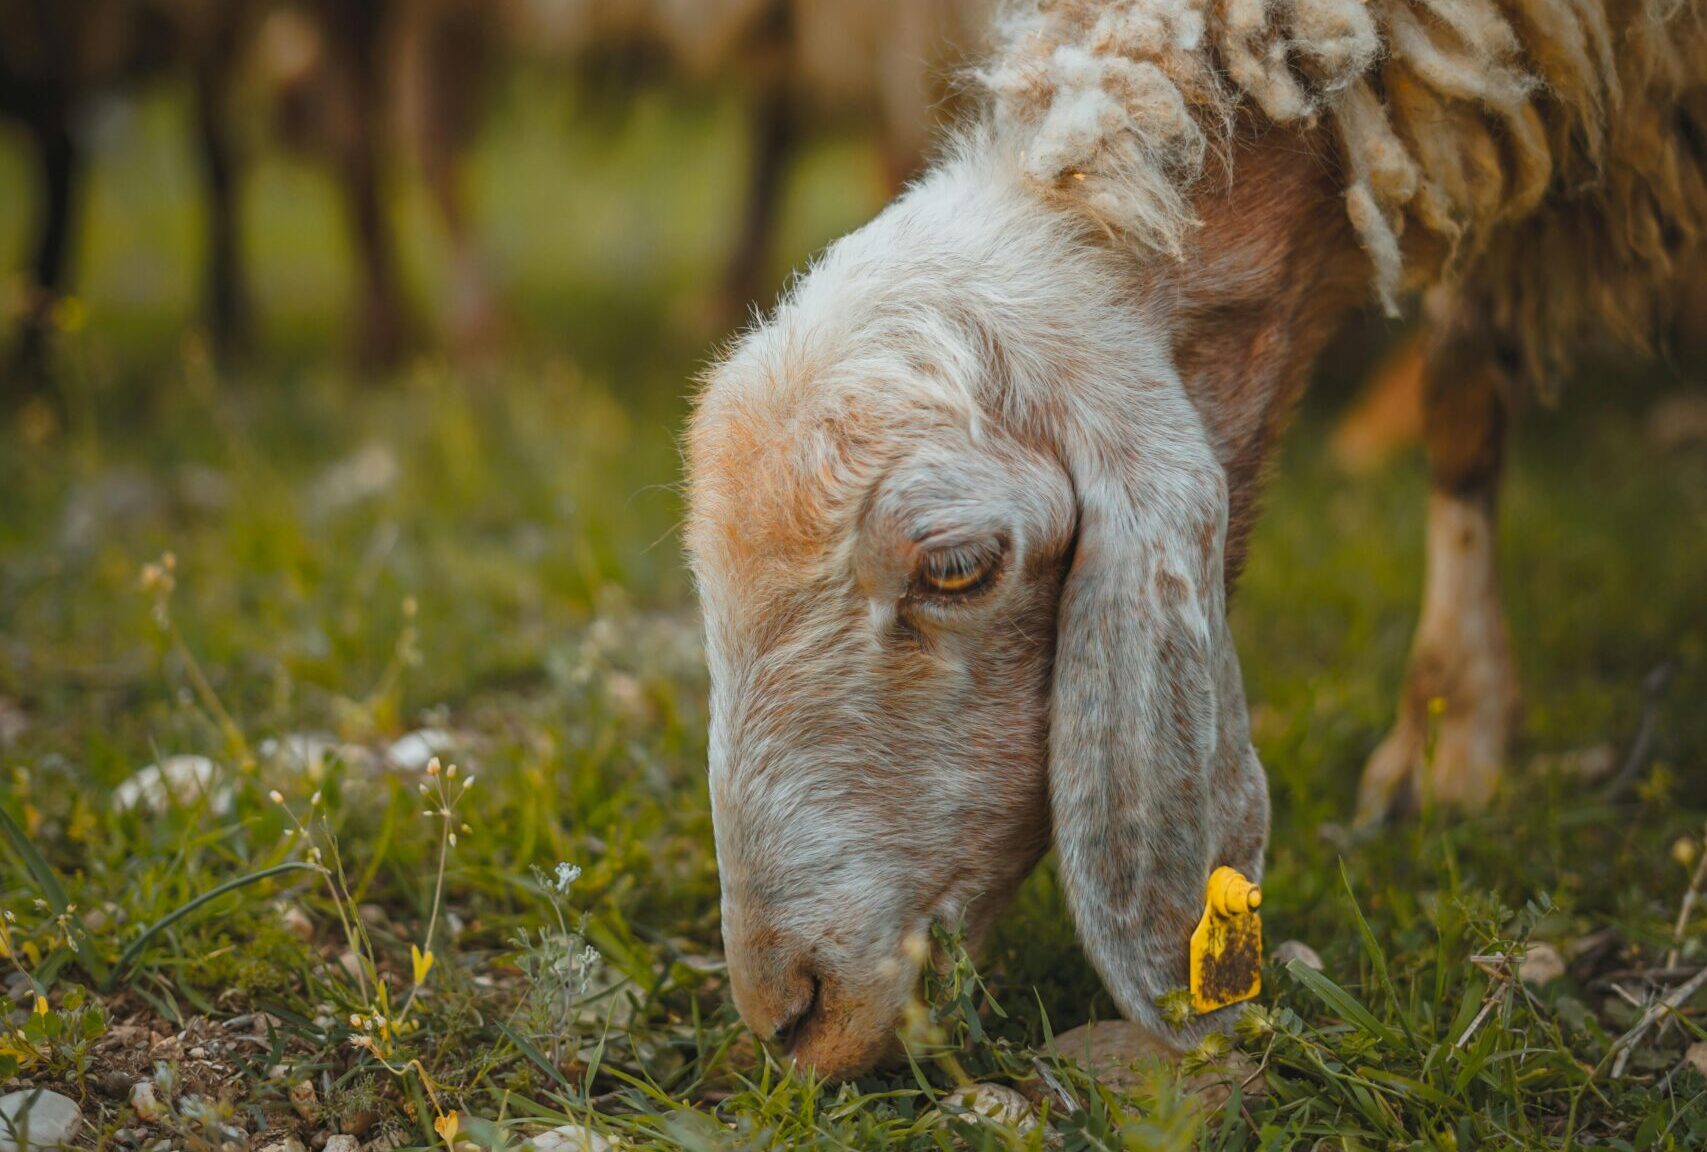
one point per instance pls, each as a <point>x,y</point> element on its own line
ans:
<point>1461,693</point>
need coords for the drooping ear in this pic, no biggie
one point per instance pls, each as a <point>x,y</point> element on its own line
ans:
<point>1153,781</point>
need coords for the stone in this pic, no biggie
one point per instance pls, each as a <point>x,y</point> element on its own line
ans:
<point>1122,1054</point>
<point>146,1102</point>
<point>995,1102</point>
<point>1541,965</point>
<point>177,781</point>
<point>1696,1054</point>
<point>364,474</point>
<point>288,1144</point>
<point>36,1118</point>
<point>305,1102</point>
<point>297,923</point>
<point>1289,950</point>
<point>343,1143</point>
<point>359,1123</point>
<point>411,752</point>
<point>307,754</point>
<point>569,1138</point>
<point>13,722</point>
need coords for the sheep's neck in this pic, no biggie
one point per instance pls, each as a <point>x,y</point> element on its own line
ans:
<point>1276,271</point>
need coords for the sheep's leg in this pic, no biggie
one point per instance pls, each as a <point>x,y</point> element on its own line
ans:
<point>775,134</point>
<point>1461,693</point>
<point>227,298</point>
<point>449,81</point>
<point>59,166</point>
<point>383,322</point>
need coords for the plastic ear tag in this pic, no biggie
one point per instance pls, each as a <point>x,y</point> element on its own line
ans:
<point>1226,949</point>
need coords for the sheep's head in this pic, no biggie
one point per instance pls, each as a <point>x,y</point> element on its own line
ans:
<point>957,534</point>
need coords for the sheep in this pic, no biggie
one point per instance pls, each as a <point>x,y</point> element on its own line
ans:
<point>329,62</point>
<point>351,77</point>
<point>52,58</point>
<point>882,62</point>
<point>965,510</point>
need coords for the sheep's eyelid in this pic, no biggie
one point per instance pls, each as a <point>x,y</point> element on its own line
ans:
<point>980,561</point>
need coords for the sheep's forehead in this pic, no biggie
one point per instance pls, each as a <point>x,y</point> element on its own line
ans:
<point>779,477</point>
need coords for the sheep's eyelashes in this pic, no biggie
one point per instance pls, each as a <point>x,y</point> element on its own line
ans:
<point>957,572</point>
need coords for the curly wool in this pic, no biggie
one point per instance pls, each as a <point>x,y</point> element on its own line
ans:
<point>1543,156</point>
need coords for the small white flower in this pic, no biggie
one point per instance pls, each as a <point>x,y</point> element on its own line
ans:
<point>567,874</point>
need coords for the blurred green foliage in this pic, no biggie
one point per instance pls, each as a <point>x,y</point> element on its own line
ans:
<point>489,551</point>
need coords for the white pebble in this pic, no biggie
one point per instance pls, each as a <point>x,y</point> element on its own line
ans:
<point>43,1119</point>
<point>1290,950</point>
<point>411,752</point>
<point>569,1138</point>
<point>1541,965</point>
<point>177,781</point>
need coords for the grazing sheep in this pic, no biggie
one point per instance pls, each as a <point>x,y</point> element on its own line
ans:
<point>883,63</point>
<point>333,66</point>
<point>351,78</point>
<point>53,57</point>
<point>964,512</point>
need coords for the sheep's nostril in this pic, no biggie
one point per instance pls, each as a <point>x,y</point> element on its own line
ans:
<point>790,1027</point>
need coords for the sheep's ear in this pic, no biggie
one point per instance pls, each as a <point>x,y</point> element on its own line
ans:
<point>1153,781</point>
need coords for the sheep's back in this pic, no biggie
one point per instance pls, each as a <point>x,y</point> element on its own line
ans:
<point>1543,156</point>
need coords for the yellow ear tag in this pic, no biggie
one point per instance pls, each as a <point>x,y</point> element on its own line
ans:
<point>1226,949</point>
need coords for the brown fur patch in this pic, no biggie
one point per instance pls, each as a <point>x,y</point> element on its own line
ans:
<point>1276,270</point>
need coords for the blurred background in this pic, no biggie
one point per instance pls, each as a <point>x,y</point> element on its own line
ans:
<point>392,178</point>
<point>354,302</point>
<point>344,347</point>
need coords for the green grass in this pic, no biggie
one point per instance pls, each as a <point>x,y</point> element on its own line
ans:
<point>491,554</point>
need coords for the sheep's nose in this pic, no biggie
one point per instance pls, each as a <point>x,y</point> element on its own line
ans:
<point>792,1022</point>
<point>775,998</point>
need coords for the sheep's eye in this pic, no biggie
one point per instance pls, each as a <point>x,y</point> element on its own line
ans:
<point>958,571</point>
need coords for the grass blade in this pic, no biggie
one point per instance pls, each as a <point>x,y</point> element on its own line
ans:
<point>53,891</point>
<point>526,1048</point>
<point>1342,1003</point>
<point>1377,957</point>
<point>129,955</point>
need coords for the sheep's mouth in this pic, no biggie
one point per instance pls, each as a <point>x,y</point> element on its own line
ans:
<point>794,1032</point>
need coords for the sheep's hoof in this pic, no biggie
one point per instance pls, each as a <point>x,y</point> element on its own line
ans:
<point>1442,751</point>
<point>1389,779</point>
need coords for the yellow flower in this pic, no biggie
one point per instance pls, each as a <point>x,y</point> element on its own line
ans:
<point>446,1126</point>
<point>41,1005</point>
<point>1684,850</point>
<point>423,962</point>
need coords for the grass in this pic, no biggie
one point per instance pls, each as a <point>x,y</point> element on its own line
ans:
<point>485,560</point>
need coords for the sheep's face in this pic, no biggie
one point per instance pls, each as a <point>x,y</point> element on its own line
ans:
<point>880,622</point>
<point>957,534</point>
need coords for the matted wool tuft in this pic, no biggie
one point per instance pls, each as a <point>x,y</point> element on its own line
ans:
<point>1548,158</point>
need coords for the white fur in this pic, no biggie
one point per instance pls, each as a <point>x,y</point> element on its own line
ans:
<point>972,364</point>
